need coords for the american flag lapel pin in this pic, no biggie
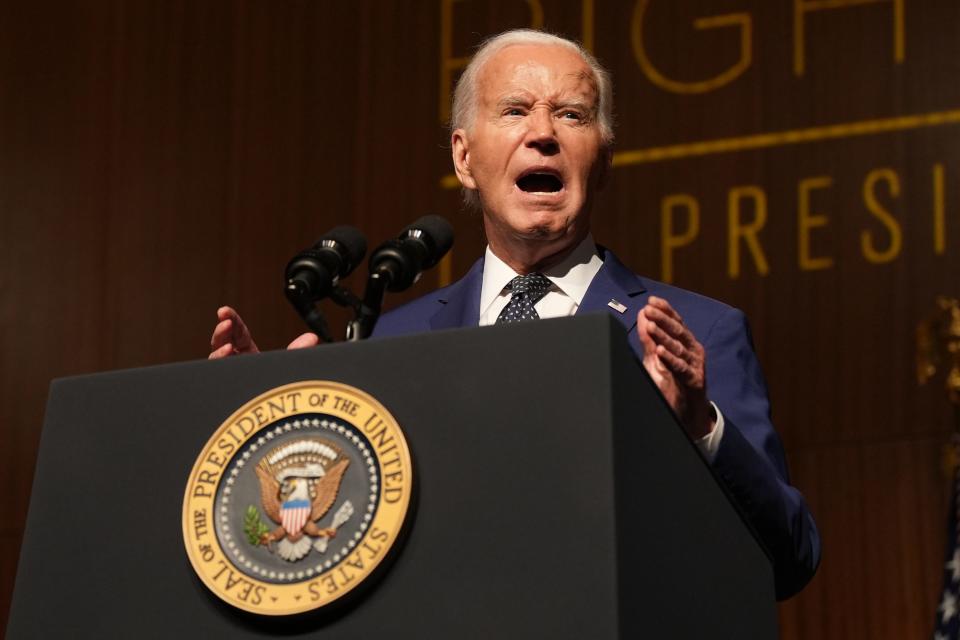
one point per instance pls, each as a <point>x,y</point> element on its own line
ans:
<point>616,306</point>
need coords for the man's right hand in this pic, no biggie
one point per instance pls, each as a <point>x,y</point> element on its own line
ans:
<point>231,336</point>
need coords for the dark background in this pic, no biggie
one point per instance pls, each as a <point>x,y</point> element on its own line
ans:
<point>159,159</point>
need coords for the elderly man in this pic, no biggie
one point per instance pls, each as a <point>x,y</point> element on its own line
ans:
<point>531,146</point>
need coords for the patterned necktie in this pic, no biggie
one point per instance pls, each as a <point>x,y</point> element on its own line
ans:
<point>526,291</point>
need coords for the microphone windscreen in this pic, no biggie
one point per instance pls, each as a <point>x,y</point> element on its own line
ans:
<point>438,231</point>
<point>352,243</point>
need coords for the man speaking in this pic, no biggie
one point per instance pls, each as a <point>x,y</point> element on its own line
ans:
<point>532,143</point>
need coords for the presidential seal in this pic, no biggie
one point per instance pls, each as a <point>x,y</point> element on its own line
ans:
<point>297,498</point>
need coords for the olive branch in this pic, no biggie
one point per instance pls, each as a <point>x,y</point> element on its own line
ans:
<point>253,526</point>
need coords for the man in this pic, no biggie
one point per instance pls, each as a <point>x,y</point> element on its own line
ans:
<point>531,146</point>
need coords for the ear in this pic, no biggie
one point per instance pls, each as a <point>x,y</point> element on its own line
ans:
<point>461,158</point>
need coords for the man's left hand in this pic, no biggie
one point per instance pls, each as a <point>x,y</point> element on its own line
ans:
<point>676,362</point>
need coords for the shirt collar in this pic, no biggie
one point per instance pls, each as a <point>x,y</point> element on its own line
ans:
<point>572,275</point>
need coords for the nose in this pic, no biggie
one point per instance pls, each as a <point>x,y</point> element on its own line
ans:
<point>542,134</point>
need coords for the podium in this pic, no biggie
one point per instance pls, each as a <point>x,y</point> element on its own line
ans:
<point>556,497</point>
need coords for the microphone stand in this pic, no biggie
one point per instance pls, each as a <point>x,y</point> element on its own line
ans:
<point>308,310</point>
<point>367,311</point>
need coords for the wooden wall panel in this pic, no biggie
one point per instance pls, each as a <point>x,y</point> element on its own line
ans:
<point>158,159</point>
<point>877,505</point>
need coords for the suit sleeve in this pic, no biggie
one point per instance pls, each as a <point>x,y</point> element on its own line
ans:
<point>750,459</point>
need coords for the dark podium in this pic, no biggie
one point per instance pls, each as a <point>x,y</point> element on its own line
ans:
<point>556,498</point>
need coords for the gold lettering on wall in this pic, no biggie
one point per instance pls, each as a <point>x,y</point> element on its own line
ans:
<point>586,18</point>
<point>802,7</point>
<point>448,63</point>
<point>939,207</point>
<point>867,244</point>
<point>806,221</point>
<point>536,14</point>
<point>772,140</point>
<point>884,192</point>
<point>669,241</point>
<point>737,231</point>
<point>445,270</point>
<point>740,20</point>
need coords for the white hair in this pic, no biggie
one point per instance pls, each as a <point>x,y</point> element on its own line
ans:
<point>465,95</point>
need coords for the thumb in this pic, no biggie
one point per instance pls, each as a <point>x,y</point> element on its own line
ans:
<point>304,341</point>
<point>643,332</point>
<point>651,361</point>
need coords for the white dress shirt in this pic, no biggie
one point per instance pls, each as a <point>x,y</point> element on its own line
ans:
<point>570,280</point>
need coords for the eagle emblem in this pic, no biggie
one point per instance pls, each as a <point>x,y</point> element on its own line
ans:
<point>299,483</point>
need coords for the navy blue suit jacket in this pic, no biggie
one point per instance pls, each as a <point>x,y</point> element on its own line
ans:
<point>750,460</point>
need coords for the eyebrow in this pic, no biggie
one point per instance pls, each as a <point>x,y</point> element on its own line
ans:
<point>580,104</point>
<point>515,101</point>
<point>512,101</point>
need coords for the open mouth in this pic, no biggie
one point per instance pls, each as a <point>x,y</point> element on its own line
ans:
<point>537,182</point>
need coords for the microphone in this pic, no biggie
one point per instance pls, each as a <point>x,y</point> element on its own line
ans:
<point>313,273</point>
<point>421,245</point>
<point>396,265</point>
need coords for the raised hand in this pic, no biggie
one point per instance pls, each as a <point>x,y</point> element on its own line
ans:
<point>676,362</point>
<point>232,337</point>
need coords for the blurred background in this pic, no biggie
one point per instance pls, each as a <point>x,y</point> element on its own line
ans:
<point>799,159</point>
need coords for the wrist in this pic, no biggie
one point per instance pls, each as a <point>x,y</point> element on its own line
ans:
<point>703,420</point>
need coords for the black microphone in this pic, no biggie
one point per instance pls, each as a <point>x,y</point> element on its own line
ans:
<point>421,245</point>
<point>396,265</point>
<point>313,273</point>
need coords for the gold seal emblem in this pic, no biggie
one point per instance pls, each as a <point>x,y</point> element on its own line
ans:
<point>297,498</point>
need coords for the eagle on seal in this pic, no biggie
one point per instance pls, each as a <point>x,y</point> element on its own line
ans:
<point>299,483</point>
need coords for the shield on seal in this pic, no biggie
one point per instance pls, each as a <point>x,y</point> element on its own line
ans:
<point>294,514</point>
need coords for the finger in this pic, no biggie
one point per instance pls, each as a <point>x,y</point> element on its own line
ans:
<point>222,352</point>
<point>240,334</point>
<point>225,312</point>
<point>674,346</point>
<point>644,327</point>
<point>304,341</point>
<point>690,375</point>
<point>692,354</point>
<point>659,372</point>
<point>679,367</point>
<point>666,307</point>
<point>222,334</point>
<point>669,324</point>
<point>665,321</point>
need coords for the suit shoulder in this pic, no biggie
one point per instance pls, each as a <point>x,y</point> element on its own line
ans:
<point>410,317</point>
<point>709,319</point>
<point>680,299</point>
<point>685,298</point>
<point>413,316</point>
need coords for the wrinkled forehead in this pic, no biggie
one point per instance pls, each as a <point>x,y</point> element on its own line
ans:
<point>539,72</point>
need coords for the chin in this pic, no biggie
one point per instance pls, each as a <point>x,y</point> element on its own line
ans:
<point>547,225</point>
<point>543,232</point>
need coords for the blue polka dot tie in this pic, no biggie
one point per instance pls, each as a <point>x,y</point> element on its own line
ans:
<point>525,292</point>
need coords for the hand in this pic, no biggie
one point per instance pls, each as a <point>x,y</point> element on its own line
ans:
<point>676,362</point>
<point>231,336</point>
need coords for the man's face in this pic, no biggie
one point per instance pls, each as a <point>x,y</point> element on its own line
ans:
<point>534,151</point>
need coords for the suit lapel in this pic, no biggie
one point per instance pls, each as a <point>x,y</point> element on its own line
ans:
<point>614,282</point>
<point>460,301</point>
